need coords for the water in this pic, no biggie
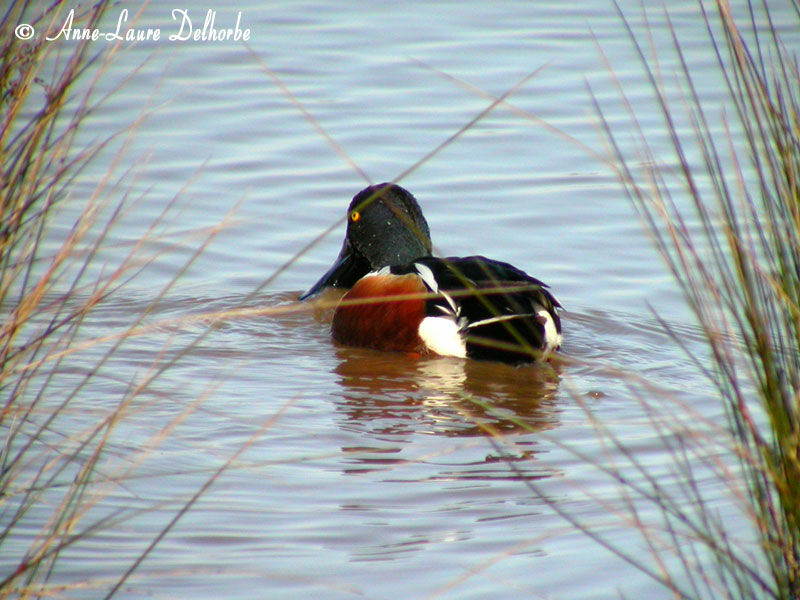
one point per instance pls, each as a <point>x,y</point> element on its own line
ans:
<point>355,473</point>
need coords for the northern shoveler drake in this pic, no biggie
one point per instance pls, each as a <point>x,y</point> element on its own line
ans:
<point>402,298</point>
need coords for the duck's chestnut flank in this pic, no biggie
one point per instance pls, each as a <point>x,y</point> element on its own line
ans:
<point>459,306</point>
<point>372,315</point>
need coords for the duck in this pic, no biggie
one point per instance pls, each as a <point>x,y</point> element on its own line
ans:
<point>399,297</point>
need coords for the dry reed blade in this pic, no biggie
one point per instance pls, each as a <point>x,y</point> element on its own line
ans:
<point>733,253</point>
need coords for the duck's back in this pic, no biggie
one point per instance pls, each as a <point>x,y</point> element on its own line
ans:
<point>501,312</point>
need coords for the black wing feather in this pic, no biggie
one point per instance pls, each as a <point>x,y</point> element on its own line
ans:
<point>497,305</point>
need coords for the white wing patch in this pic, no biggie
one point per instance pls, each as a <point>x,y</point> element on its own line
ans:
<point>552,339</point>
<point>429,280</point>
<point>427,276</point>
<point>497,319</point>
<point>442,335</point>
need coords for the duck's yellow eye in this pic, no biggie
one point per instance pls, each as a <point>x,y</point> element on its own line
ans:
<point>355,216</point>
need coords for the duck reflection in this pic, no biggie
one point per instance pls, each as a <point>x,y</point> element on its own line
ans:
<point>389,398</point>
<point>390,393</point>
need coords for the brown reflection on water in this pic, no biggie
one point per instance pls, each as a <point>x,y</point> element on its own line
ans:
<point>397,394</point>
<point>391,398</point>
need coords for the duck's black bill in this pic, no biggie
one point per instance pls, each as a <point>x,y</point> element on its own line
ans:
<point>348,268</point>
